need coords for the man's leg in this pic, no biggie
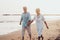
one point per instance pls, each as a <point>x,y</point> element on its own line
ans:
<point>23,32</point>
<point>29,32</point>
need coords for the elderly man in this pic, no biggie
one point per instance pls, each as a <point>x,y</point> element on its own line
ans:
<point>25,18</point>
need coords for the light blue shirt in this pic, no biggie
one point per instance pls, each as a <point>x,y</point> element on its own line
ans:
<point>25,17</point>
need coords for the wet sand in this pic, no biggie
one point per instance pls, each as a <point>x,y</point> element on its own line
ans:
<point>53,33</point>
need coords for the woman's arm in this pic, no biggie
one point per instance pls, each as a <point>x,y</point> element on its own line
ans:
<point>29,22</point>
<point>46,24</point>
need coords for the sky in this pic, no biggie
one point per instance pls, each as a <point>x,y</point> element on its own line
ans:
<point>15,6</point>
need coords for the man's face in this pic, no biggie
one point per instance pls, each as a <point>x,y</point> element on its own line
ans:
<point>25,9</point>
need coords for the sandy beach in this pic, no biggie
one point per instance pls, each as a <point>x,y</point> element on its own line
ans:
<point>53,33</point>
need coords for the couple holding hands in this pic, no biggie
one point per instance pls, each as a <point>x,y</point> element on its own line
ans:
<point>26,21</point>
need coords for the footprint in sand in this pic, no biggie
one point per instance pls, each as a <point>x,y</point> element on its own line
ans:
<point>51,38</point>
<point>12,39</point>
<point>34,34</point>
<point>33,38</point>
<point>48,39</point>
<point>37,38</point>
<point>58,38</point>
<point>58,30</point>
<point>18,37</point>
<point>27,37</point>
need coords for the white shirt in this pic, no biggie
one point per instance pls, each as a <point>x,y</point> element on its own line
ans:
<point>39,20</point>
<point>39,23</point>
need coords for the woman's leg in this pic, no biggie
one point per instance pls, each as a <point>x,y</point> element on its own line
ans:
<point>39,37</point>
<point>42,37</point>
<point>40,34</point>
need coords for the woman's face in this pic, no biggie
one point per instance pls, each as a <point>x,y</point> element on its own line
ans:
<point>38,11</point>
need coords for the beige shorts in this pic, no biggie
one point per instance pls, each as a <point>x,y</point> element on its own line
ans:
<point>26,28</point>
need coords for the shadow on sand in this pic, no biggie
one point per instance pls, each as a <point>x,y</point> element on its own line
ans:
<point>58,37</point>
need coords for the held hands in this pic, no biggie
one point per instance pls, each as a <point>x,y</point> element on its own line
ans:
<point>29,23</point>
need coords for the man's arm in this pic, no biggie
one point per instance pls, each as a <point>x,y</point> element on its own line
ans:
<point>21,19</point>
<point>29,19</point>
<point>46,24</point>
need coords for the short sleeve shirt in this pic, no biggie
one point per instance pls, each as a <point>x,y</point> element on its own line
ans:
<point>25,18</point>
<point>39,20</point>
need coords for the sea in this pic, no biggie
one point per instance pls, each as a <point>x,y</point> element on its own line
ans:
<point>10,24</point>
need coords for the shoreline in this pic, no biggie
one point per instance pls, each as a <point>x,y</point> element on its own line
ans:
<point>52,33</point>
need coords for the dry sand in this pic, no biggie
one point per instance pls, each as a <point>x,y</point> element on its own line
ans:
<point>49,34</point>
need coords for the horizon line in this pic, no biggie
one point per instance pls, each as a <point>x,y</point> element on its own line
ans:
<point>31,14</point>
